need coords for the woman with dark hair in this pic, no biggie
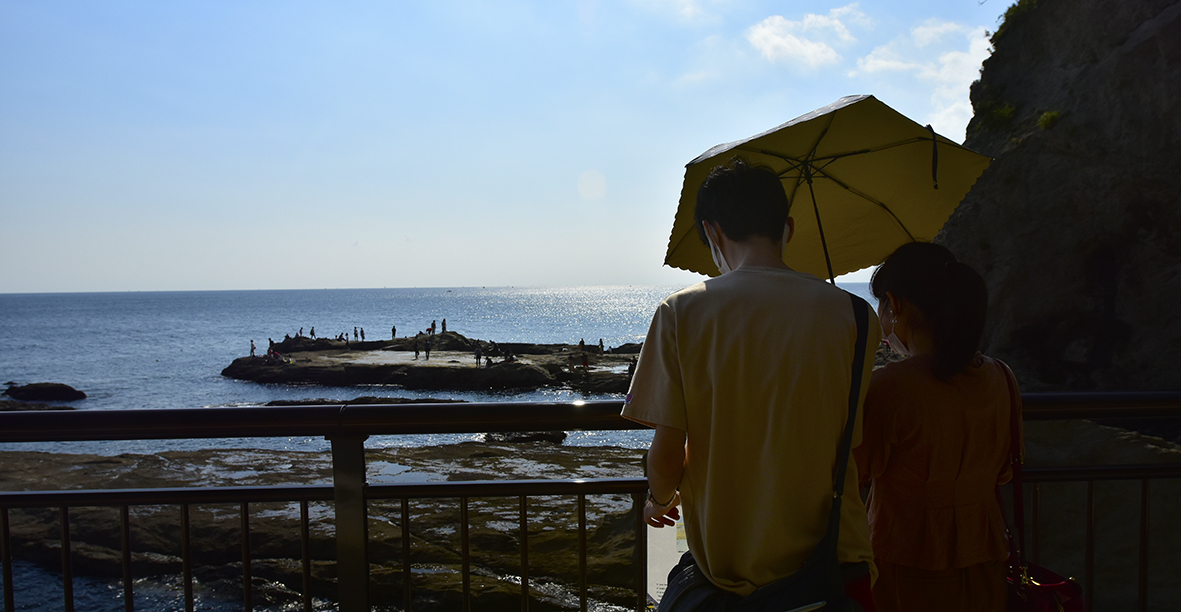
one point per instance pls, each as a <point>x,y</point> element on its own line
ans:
<point>936,439</point>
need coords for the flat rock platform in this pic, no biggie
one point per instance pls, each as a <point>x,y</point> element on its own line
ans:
<point>451,365</point>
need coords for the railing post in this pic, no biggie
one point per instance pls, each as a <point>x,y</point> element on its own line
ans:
<point>352,523</point>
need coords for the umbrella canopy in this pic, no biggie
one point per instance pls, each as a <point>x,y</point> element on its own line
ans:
<point>861,177</point>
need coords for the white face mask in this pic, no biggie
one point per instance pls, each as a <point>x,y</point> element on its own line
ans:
<point>716,253</point>
<point>897,345</point>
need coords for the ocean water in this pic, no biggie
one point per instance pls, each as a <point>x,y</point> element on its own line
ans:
<point>167,349</point>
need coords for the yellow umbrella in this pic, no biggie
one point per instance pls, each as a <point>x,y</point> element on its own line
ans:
<point>862,178</point>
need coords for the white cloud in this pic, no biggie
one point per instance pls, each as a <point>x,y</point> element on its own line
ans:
<point>932,31</point>
<point>944,57</point>
<point>810,41</point>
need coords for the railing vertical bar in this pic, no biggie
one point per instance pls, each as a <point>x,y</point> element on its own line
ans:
<point>466,554</point>
<point>67,565</point>
<point>1142,594</point>
<point>6,559</point>
<point>582,605</point>
<point>641,561</point>
<point>305,553</point>
<point>125,540</point>
<point>524,519</point>
<point>407,573</point>
<point>1037,531</point>
<point>186,557</point>
<point>352,523</point>
<point>247,598</point>
<point>1090,543</point>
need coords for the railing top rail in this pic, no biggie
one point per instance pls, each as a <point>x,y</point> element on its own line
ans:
<point>327,421</point>
<point>399,419</point>
<point>416,490</point>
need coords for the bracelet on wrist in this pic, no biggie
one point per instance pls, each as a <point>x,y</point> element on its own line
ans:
<point>657,502</point>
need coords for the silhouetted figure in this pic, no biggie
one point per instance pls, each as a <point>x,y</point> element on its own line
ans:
<point>252,348</point>
<point>477,356</point>
<point>355,334</point>
<point>362,334</point>
<point>444,326</point>
<point>581,344</point>
<point>313,332</point>
<point>393,332</point>
<point>432,328</point>
<point>300,334</point>
<point>600,345</point>
<point>428,349</point>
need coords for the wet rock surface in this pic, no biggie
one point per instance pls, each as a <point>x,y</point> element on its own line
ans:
<point>44,392</point>
<point>435,547</point>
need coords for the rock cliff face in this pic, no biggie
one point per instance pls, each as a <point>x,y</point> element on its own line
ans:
<point>1076,226</point>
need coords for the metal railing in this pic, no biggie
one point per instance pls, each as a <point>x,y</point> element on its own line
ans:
<point>348,426</point>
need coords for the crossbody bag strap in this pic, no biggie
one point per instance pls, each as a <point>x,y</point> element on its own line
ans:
<point>1015,459</point>
<point>861,315</point>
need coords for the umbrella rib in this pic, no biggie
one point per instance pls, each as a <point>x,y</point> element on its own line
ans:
<point>819,172</point>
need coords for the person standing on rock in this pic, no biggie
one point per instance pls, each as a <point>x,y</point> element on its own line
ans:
<point>355,334</point>
<point>393,332</point>
<point>428,349</point>
<point>477,355</point>
<point>749,415</point>
<point>252,347</point>
<point>444,326</point>
<point>432,328</point>
<point>313,332</point>
<point>362,334</point>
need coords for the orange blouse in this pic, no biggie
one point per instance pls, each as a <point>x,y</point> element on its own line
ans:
<point>934,452</point>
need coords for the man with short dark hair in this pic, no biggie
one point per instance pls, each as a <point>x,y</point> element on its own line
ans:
<point>746,379</point>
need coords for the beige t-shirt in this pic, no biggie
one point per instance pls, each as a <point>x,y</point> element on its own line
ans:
<point>755,367</point>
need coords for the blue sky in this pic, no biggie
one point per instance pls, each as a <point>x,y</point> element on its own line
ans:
<point>271,145</point>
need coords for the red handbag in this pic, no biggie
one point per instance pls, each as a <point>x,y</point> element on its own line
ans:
<point>1032,588</point>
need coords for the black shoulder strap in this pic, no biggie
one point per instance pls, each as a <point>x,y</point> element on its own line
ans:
<point>861,313</point>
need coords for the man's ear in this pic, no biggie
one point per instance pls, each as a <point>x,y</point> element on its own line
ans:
<point>791,230</point>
